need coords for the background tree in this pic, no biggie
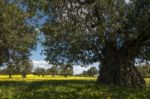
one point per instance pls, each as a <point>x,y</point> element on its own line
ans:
<point>84,73</point>
<point>10,70</point>
<point>66,70</point>
<point>17,37</point>
<point>26,67</point>
<point>144,70</point>
<point>3,71</point>
<point>40,71</point>
<point>91,72</point>
<point>53,70</point>
<point>112,32</point>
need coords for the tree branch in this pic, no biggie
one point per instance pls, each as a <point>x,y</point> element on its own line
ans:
<point>135,45</point>
<point>85,1</point>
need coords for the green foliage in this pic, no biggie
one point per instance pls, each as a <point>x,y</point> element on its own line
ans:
<point>66,70</point>
<point>91,72</point>
<point>3,71</point>
<point>80,32</point>
<point>23,67</point>
<point>144,70</point>
<point>17,38</point>
<point>40,71</point>
<point>53,70</point>
<point>112,32</point>
<point>11,69</point>
<point>26,67</point>
<point>68,90</point>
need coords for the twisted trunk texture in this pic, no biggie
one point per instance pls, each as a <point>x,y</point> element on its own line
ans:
<point>117,68</point>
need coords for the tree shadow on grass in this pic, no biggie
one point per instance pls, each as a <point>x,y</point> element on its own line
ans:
<point>69,89</point>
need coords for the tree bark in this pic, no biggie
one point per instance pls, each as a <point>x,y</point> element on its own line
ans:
<point>23,75</point>
<point>10,75</point>
<point>53,75</point>
<point>117,68</point>
<point>65,75</point>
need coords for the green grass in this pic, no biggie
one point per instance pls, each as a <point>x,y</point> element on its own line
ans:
<point>68,89</point>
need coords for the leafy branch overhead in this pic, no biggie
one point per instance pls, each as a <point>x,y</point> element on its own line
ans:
<point>82,29</point>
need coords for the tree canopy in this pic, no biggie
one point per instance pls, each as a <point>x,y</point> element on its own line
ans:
<point>26,67</point>
<point>112,32</point>
<point>81,30</point>
<point>40,71</point>
<point>91,71</point>
<point>53,70</point>
<point>17,37</point>
<point>66,70</point>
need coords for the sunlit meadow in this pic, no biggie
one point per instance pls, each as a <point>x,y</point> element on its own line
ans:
<point>59,87</point>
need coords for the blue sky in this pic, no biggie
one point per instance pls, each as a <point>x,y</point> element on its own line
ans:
<point>37,54</point>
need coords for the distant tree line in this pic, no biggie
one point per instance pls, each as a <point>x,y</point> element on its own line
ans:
<point>63,70</point>
<point>27,68</point>
<point>24,67</point>
<point>91,72</point>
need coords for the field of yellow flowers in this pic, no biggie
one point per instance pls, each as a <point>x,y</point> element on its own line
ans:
<point>31,77</point>
<point>59,87</point>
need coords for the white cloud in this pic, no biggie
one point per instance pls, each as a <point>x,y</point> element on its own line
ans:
<point>41,64</point>
<point>79,69</point>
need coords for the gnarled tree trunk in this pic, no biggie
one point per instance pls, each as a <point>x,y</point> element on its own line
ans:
<point>117,68</point>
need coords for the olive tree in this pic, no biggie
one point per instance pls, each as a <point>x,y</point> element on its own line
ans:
<point>112,32</point>
<point>53,70</point>
<point>17,37</point>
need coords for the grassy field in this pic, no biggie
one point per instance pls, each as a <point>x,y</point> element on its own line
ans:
<point>47,87</point>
